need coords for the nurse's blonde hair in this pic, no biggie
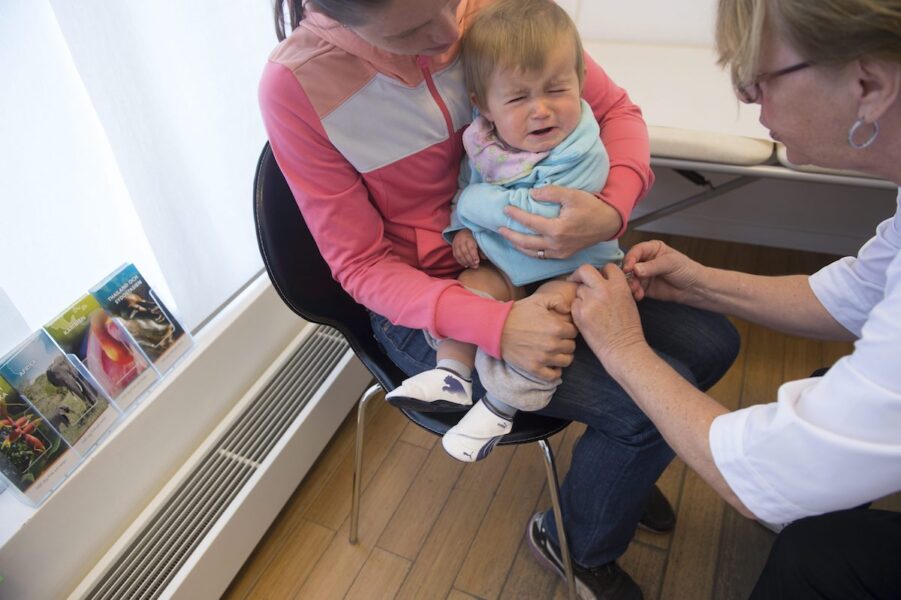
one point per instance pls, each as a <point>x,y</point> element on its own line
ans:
<point>828,32</point>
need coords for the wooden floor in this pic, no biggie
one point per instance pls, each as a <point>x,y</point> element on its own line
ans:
<point>431,528</point>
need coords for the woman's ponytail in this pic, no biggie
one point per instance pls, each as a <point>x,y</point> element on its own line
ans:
<point>286,23</point>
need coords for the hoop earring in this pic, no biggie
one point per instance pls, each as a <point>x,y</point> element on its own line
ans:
<point>853,131</point>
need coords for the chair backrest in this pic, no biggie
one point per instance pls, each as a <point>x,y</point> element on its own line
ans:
<point>301,276</point>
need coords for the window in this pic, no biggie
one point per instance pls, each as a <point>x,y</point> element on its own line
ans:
<point>130,133</point>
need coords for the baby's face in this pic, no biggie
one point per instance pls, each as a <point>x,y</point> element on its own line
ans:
<point>535,110</point>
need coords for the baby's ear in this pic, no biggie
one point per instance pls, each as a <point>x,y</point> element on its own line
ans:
<point>482,110</point>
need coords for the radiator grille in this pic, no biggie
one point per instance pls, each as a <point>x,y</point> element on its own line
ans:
<point>149,563</point>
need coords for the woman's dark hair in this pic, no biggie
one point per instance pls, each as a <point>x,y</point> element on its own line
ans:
<point>293,17</point>
<point>346,12</point>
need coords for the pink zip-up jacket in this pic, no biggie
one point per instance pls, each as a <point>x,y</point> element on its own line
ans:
<point>370,144</point>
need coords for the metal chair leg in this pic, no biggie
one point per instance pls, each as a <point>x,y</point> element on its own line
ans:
<point>370,393</point>
<point>554,490</point>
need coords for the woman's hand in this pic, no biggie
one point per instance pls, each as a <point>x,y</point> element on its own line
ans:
<point>466,250</point>
<point>662,273</point>
<point>605,312</point>
<point>584,221</point>
<point>539,336</point>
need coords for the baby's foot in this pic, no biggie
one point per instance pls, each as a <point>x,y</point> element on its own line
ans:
<point>435,390</point>
<point>475,436</point>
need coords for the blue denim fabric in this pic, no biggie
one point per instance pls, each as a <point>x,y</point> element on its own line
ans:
<point>621,454</point>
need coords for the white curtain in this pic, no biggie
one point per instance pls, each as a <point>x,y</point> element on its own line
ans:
<point>130,133</point>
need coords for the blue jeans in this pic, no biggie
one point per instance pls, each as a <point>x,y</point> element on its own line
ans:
<point>621,454</point>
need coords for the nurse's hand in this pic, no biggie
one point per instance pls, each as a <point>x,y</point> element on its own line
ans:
<point>605,312</point>
<point>662,273</point>
<point>539,336</point>
<point>584,221</point>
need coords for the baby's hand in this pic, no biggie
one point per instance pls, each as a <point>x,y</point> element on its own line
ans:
<point>466,251</point>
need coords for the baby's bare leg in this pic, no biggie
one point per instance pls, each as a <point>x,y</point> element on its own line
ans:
<point>489,280</point>
<point>492,281</point>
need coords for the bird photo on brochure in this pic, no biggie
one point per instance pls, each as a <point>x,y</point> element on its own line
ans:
<point>128,297</point>
<point>54,385</point>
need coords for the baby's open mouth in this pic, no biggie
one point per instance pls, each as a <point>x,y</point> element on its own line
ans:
<point>542,131</point>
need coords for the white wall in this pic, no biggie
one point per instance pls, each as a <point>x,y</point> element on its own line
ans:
<point>687,23</point>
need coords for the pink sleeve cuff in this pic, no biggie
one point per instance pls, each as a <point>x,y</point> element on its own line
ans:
<point>465,317</point>
<point>624,189</point>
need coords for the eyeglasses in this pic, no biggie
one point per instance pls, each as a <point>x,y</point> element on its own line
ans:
<point>750,93</point>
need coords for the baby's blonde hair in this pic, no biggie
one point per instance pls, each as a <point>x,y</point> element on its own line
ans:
<point>828,32</point>
<point>515,34</point>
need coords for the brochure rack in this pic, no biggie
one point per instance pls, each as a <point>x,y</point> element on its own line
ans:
<point>67,385</point>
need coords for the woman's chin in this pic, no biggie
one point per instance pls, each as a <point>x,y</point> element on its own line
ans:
<point>837,163</point>
<point>797,158</point>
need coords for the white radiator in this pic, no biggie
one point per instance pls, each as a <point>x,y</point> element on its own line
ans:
<point>195,535</point>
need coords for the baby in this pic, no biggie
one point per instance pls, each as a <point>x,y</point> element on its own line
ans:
<point>523,65</point>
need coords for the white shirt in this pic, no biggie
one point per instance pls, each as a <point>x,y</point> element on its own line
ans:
<point>832,442</point>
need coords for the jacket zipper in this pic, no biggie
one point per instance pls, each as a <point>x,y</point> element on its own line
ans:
<point>423,62</point>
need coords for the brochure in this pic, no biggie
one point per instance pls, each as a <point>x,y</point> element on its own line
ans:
<point>87,333</point>
<point>34,459</point>
<point>61,390</point>
<point>128,297</point>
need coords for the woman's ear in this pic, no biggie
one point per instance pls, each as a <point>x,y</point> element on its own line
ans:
<point>879,83</point>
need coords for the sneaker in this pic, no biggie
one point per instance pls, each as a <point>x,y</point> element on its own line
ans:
<point>476,434</point>
<point>658,515</point>
<point>435,390</point>
<point>606,582</point>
